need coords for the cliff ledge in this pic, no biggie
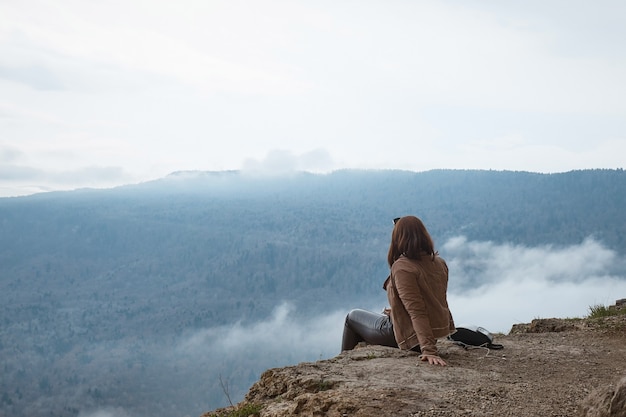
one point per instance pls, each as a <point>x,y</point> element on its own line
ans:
<point>550,367</point>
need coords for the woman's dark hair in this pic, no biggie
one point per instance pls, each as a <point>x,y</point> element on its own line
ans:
<point>411,239</point>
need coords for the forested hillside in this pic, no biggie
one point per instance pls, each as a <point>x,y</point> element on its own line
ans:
<point>97,286</point>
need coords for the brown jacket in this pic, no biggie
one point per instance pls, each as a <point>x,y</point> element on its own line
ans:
<point>419,308</point>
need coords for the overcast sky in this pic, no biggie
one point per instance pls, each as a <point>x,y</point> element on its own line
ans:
<point>99,93</point>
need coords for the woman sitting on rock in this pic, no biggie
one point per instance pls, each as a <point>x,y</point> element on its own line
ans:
<point>416,290</point>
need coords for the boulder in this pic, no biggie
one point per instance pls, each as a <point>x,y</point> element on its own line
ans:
<point>607,401</point>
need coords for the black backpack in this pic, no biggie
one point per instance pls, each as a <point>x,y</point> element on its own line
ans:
<point>467,336</point>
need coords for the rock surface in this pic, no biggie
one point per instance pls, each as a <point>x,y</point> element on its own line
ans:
<point>550,367</point>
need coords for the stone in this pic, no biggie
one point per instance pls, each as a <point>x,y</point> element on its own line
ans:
<point>606,401</point>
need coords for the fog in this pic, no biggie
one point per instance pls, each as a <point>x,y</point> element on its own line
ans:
<point>496,286</point>
<point>308,337</point>
<point>108,412</point>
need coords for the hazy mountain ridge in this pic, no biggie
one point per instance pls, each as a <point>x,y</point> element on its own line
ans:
<point>134,269</point>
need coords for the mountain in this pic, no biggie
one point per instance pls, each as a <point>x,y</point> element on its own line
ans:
<point>107,297</point>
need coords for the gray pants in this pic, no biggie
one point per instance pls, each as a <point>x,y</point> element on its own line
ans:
<point>368,327</point>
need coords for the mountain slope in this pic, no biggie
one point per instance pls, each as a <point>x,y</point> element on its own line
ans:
<point>102,292</point>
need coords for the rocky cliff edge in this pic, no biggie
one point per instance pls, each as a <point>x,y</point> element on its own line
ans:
<point>550,367</point>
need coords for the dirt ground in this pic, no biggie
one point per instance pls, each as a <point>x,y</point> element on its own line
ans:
<point>547,368</point>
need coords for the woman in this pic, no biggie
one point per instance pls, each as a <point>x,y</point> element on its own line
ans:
<point>416,290</point>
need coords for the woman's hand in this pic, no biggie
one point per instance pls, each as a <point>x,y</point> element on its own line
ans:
<point>433,360</point>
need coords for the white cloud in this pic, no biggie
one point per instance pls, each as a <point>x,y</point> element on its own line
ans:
<point>105,412</point>
<point>496,286</point>
<point>185,42</point>
<point>306,338</point>
<point>498,307</point>
<point>279,162</point>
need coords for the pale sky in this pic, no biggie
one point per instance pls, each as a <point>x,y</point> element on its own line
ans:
<point>101,93</point>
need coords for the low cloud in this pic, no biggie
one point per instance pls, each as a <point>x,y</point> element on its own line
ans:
<point>318,336</point>
<point>483,264</point>
<point>496,286</point>
<point>108,412</point>
<point>279,162</point>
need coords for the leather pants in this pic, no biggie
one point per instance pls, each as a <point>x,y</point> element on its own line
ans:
<point>366,326</point>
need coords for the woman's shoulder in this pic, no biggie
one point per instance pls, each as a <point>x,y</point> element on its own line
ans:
<point>403,262</point>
